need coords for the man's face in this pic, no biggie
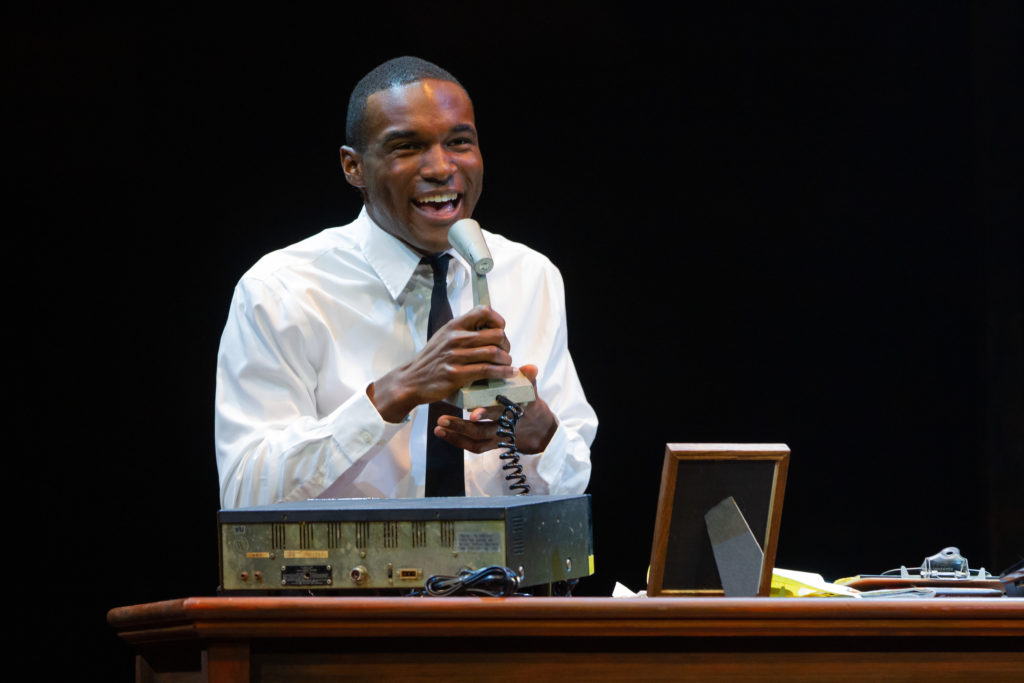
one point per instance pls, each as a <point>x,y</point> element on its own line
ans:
<point>422,169</point>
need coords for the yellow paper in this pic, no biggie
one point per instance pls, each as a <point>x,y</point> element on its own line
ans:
<point>788,583</point>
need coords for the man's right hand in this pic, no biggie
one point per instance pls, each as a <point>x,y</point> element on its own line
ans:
<point>470,347</point>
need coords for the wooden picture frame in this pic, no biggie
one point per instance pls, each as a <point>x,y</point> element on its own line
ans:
<point>695,477</point>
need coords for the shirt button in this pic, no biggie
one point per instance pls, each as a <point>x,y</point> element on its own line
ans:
<point>365,436</point>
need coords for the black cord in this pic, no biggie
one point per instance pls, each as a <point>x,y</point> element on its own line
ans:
<point>507,430</point>
<point>494,581</point>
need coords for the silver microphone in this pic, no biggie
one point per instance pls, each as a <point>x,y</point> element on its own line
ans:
<point>465,235</point>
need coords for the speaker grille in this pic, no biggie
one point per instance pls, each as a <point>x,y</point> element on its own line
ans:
<point>362,534</point>
<point>390,534</point>
<point>517,530</point>
<point>419,534</point>
<point>448,534</point>
<point>334,534</point>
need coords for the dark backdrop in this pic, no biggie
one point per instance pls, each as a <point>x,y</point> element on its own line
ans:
<point>777,222</point>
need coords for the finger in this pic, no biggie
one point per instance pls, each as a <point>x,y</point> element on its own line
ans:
<point>479,355</point>
<point>531,372</point>
<point>484,337</point>
<point>475,437</point>
<point>453,376</point>
<point>491,413</point>
<point>480,317</point>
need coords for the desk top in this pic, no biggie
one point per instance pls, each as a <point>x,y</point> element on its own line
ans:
<point>320,617</point>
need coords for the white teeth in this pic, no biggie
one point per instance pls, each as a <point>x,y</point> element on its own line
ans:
<point>441,198</point>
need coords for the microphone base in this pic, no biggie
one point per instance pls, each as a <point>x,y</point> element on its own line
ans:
<point>484,393</point>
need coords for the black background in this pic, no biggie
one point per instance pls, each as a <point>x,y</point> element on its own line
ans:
<point>777,222</point>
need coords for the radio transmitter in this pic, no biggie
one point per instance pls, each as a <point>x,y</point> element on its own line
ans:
<point>378,545</point>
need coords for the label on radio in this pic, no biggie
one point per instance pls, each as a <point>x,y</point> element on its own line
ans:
<point>305,554</point>
<point>477,542</point>
<point>306,575</point>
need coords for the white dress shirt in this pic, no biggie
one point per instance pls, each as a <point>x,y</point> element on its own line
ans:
<point>311,326</point>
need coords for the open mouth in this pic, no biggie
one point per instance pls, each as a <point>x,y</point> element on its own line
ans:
<point>441,205</point>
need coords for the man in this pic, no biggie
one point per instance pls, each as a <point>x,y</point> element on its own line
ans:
<point>325,371</point>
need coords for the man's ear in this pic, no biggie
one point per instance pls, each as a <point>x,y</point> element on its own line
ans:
<point>352,165</point>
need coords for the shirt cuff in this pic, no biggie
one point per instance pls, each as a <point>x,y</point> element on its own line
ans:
<point>358,427</point>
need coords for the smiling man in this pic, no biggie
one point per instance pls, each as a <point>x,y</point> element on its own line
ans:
<point>328,361</point>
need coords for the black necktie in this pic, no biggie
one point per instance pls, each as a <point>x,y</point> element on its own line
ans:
<point>445,467</point>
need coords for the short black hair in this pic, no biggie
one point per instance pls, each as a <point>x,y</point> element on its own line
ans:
<point>392,73</point>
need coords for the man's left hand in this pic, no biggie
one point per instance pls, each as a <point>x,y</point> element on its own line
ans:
<point>479,433</point>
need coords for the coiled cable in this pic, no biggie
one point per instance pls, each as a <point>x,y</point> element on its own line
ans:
<point>507,431</point>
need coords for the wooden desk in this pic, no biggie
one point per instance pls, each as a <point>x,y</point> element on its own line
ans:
<point>570,639</point>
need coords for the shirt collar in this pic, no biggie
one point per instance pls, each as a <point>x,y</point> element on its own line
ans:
<point>393,260</point>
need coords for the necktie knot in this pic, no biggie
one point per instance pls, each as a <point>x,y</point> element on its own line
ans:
<point>439,263</point>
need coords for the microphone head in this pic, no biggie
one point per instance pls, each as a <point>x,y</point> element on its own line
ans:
<point>465,235</point>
